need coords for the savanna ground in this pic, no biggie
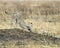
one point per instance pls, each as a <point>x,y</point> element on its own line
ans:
<point>45,18</point>
<point>16,38</point>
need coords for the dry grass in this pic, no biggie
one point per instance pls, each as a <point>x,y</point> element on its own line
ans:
<point>16,38</point>
<point>31,12</point>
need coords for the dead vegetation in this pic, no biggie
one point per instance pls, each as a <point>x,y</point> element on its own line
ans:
<point>22,38</point>
<point>45,18</point>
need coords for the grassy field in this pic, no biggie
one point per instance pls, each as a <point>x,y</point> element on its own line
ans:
<point>45,19</point>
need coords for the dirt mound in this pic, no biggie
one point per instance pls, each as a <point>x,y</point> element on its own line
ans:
<point>17,34</point>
